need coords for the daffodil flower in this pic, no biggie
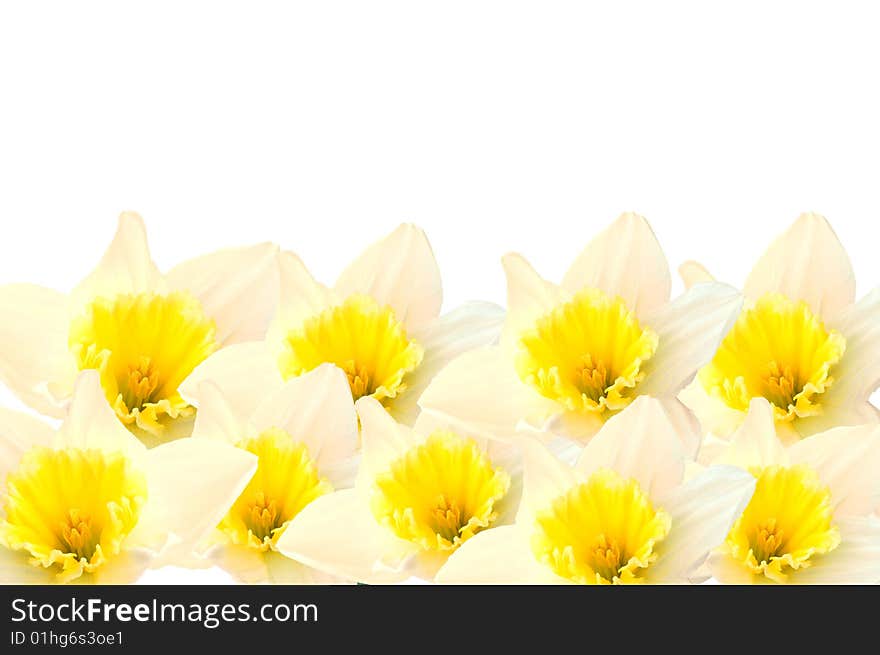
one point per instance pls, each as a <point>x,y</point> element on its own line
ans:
<point>144,331</point>
<point>304,435</point>
<point>811,518</point>
<point>574,355</point>
<point>800,342</point>
<point>91,504</point>
<point>421,493</point>
<point>622,515</point>
<point>380,324</point>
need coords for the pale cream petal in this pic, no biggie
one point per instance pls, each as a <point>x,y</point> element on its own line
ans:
<point>755,443</point>
<point>577,426</point>
<point>529,296</point>
<point>497,556</point>
<point>807,262</point>
<point>195,481</point>
<point>639,443</point>
<point>238,289</point>
<point>685,423</point>
<point>283,570</point>
<point>399,271</point>
<point>711,450</point>
<point>847,459</point>
<point>690,329</point>
<point>15,569</point>
<point>480,392</point>
<point>246,565</point>
<point>714,415</point>
<point>383,439</point>
<point>624,260</point>
<point>730,572</point>
<point>301,296</point>
<point>545,478</point>
<point>337,534</point>
<point>702,512</point>
<point>857,374</point>
<point>692,273</point>
<point>126,266</point>
<point>855,561</point>
<point>837,411</point>
<point>245,373</point>
<point>20,432</point>
<point>34,357</point>
<point>91,423</point>
<point>216,418</point>
<point>124,568</point>
<point>473,325</point>
<point>316,409</point>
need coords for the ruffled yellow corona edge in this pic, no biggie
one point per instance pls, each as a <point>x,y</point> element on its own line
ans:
<point>235,412</point>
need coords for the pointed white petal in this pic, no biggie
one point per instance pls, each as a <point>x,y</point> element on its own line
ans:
<point>124,568</point>
<point>714,416</point>
<point>755,443</point>
<point>529,296</point>
<point>244,564</point>
<point>730,572</point>
<point>301,296</point>
<point>20,432</point>
<point>702,511</point>
<point>857,374</point>
<point>237,287</point>
<point>639,443</point>
<point>245,373</point>
<point>473,325</point>
<point>34,356</point>
<point>316,409</point>
<point>16,569</point>
<point>400,271</point>
<point>545,478</point>
<point>848,461</point>
<point>337,534</point>
<point>195,481</point>
<point>806,263</point>
<point>690,330</point>
<point>126,266</point>
<point>480,392</point>
<point>624,260</point>
<point>91,423</point>
<point>283,570</point>
<point>383,439</point>
<point>496,556</point>
<point>216,418</point>
<point>692,273</point>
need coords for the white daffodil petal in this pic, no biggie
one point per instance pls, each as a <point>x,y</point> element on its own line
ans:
<point>690,329</point>
<point>16,569</point>
<point>195,481</point>
<point>480,392</point>
<point>91,423</point>
<point>216,418</point>
<point>692,273</point>
<point>399,271</point>
<point>301,296</point>
<point>238,289</point>
<point>806,263</point>
<point>473,325</point>
<point>639,443</point>
<point>755,443</point>
<point>847,459</point>
<point>728,571</point>
<point>126,266</point>
<point>497,556</point>
<point>855,561</point>
<point>245,373</point>
<point>545,478</point>
<point>857,374</point>
<point>529,296</point>
<point>383,439</point>
<point>337,534</point>
<point>316,409</point>
<point>34,356</point>
<point>283,570</point>
<point>244,564</point>
<point>714,415</point>
<point>702,511</point>
<point>624,260</point>
<point>124,568</point>
<point>18,433</point>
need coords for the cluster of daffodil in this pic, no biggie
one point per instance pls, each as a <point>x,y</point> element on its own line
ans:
<point>235,412</point>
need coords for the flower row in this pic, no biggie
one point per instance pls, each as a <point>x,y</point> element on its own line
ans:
<point>236,412</point>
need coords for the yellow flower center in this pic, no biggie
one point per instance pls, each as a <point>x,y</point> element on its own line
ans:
<point>286,480</point>
<point>440,493</point>
<point>779,350</point>
<point>786,523</point>
<point>144,346</point>
<point>71,509</point>
<point>586,354</point>
<point>360,337</point>
<point>602,531</point>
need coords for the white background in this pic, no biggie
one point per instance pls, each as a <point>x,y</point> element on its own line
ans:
<point>496,126</point>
